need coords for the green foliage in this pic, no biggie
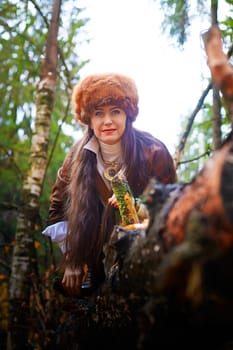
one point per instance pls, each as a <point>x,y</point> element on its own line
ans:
<point>198,147</point>
<point>178,16</point>
<point>176,19</point>
<point>227,27</point>
<point>23,34</point>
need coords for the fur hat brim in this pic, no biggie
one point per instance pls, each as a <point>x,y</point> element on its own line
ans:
<point>104,89</point>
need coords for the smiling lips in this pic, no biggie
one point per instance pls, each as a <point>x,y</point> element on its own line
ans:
<point>108,130</point>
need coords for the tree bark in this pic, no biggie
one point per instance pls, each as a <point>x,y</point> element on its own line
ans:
<point>23,254</point>
<point>220,68</point>
<point>216,120</point>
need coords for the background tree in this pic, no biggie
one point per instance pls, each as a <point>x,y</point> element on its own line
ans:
<point>26,140</point>
<point>206,127</point>
<point>24,262</point>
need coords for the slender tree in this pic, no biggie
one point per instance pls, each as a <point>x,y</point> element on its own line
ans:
<point>23,254</point>
<point>216,121</point>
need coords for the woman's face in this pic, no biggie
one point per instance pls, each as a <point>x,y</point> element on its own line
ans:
<point>108,123</point>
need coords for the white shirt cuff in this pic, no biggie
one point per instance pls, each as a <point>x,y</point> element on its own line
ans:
<point>57,232</point>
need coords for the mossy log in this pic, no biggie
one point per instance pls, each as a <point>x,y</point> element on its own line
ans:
<point>125,199</point>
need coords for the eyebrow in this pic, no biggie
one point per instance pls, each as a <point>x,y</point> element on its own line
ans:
<point>102,107</point>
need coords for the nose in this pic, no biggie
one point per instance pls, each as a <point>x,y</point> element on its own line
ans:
<point>107,119</point>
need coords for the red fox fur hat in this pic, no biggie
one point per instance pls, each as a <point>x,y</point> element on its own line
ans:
<point>104,89</point>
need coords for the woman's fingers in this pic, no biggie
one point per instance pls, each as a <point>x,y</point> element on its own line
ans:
<point>113,201</point>
<point>72,280</point>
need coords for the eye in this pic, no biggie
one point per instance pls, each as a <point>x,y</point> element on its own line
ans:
<point>98,113</point>
<point>116,111</point>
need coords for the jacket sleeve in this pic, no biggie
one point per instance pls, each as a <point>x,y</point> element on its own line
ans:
<point>58,195</point>
<point>161,163</point>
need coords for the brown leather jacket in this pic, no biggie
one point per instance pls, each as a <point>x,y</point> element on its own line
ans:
<point>160,165</point>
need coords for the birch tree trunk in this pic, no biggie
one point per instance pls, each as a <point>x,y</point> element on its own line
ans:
<point>23,257</point>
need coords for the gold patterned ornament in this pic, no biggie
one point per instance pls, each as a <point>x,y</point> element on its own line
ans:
<point>111,169</point>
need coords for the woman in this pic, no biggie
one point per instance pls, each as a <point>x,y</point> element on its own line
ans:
<point>81,202</point>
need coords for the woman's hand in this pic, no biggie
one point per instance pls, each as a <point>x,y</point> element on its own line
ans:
<point>72,280</point>
<point>112,201</point>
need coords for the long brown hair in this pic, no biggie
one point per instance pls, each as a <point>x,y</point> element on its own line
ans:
<point>83,212</point>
